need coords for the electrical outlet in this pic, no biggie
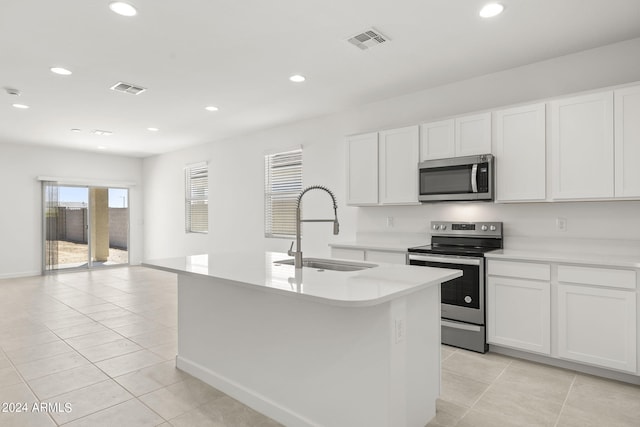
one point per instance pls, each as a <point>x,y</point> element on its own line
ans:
<point>390,221</point>
<point>561,224</point>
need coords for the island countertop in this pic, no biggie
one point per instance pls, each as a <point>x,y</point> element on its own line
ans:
<point>260,270</point>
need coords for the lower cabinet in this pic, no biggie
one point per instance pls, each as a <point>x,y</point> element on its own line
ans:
<point>597,326</point>
<point>590,312</point>
<point>519,305</point>
<point>519,314</point>
<point>370,255</point>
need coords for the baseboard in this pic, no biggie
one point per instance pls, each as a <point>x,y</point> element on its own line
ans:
<point>19,275</point>
<point>566,364</point>
<point>245,395</point>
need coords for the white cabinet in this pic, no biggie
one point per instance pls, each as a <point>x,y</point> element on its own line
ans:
<point>362,169</point>
<point>591,312</point>
<point>582,147</point>
<point>521,154</point>
<point>627,142</point>
<point>519,305</point>
<point>399,157</point>
<point>463,136</point>
<point>473,134</point>
<point>370,255</point>
<point>597,325</point>
<point>437,140</point>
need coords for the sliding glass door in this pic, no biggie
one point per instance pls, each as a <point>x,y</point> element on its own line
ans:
<point>84,227</point>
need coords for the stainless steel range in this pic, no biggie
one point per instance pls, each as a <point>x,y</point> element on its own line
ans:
<point>461,246</point>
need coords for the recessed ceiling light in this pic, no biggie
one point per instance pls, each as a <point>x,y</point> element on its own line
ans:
<point>153,129</point>
<point>122,8</point>
<point>61,71</point>
<point>101,132</point>
<point>490,10</point>
<point>297,78</point>
<point>76,130</point>
<point>101,147</point>
<point>211,108</point>
<point>21,106</point>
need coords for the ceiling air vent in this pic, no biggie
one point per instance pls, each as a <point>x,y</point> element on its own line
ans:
<point>368,38</point>
<point>128,88</point>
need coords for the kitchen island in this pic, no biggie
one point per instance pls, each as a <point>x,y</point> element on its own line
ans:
<point>312,347</point>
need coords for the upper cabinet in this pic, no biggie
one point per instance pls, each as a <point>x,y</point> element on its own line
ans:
<point>582,147</point>
<point>399,156</point>
<point>473,135</point>
<point>463,136</point>
<point>382,167</point>
<point>595,147</point>
<point>520,154</point>
<point>437,140</point>
<point>362,169</point>
<point>627,142</point>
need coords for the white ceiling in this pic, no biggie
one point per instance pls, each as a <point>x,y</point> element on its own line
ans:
<point>238,55</point>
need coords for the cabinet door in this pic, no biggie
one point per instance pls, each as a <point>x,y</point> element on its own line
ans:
<point>521,154</point>
<point>627,142</point>
<point>597,326</point>
<point>519,314</point>
<point>437,140</point>
<point>362,169</point>
<point>473,135</point>
<point>399,165</point>
<point>582,147</point>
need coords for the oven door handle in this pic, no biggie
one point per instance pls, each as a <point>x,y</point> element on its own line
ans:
<point>463,326</point>
<point>445,260</point>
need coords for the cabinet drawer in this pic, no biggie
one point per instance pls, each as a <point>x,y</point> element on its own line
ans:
<point>524,270</point>
<point>607,277</point>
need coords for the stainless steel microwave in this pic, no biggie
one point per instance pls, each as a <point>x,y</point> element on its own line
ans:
<point>458,178</point>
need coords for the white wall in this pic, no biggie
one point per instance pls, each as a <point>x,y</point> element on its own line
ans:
<point>21,198</point>
<point>236,201</point>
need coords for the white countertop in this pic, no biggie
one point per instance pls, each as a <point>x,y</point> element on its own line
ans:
<point>572,257</point>
<point>257,270</point>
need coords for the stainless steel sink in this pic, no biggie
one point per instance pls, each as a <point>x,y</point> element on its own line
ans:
<point>328,264</point>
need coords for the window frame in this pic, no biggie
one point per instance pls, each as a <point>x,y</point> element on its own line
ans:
<point>196,194</point>
<point>283,182</point>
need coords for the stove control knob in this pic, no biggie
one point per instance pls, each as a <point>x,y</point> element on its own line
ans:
<point>436,226</point>
<point>484,228</point>
<point>443,227</point>
<point>492,228</point>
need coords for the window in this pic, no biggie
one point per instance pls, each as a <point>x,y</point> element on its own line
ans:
<point>196,179</point>
<point>282,185</point>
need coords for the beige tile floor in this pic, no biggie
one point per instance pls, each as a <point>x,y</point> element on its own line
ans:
<point>104,342</point>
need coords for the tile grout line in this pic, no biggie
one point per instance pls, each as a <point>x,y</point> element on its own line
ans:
<point>109,377</point>
<point>26,383</point>
<point>564,402</point>
<point>483,393</point>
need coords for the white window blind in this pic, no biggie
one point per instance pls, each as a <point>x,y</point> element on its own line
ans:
<point>196,178</point>
<point>282,185</point>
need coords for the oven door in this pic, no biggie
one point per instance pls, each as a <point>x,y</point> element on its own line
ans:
<point>462,297</point>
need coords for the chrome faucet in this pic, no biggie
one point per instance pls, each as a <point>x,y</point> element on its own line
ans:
<point>297,254</point>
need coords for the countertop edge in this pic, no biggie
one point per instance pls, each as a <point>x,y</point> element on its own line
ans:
<point>314,298</point>
<point>591,260</point>
<point>391,247</point>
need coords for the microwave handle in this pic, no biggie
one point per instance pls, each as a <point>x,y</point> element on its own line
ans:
<point>474,178</point>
